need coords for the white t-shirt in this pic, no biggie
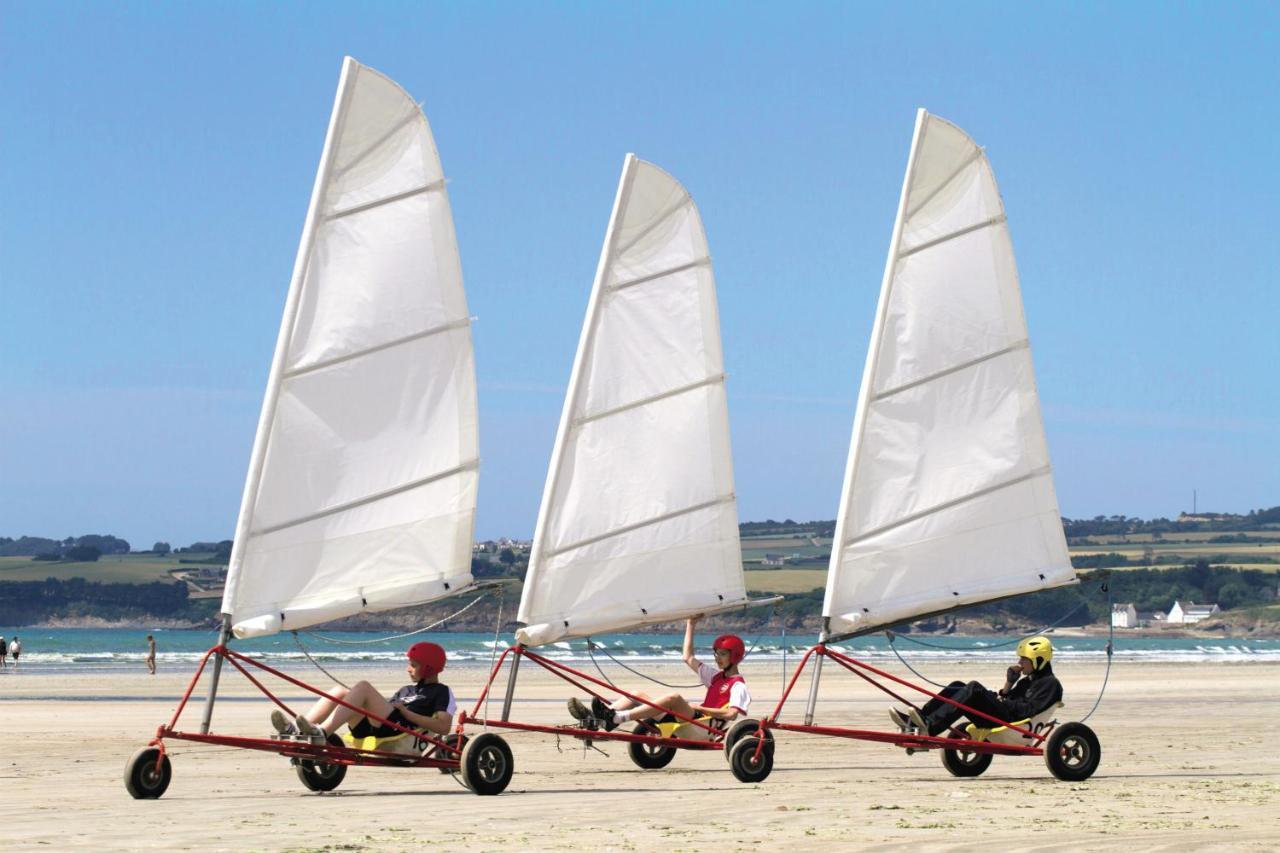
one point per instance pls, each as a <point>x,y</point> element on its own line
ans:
<point>723,691</point>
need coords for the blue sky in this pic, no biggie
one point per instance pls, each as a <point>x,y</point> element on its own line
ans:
<point>157,161</point>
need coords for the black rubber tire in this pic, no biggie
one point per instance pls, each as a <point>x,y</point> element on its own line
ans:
<point>965,764</point>
<point>737,731</point>
<point>1072,752</point>
<point>452,739</point>
<point>487,765</point>
<point>143,779</point>
<point>648,756</point>
<point>744,764</point>
<point>318,776</point>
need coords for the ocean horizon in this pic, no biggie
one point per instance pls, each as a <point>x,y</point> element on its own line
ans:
<point>64,650</point>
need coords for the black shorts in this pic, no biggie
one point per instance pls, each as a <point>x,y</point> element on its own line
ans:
<point>364,728</point>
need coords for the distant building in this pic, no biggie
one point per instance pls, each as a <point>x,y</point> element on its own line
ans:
<point>1124,616</point>
<point>1187,612</point>
<point>774,560</point>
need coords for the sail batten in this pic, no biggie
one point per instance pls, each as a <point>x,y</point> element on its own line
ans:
<point>638,522</point>
<point>381,202</point>
<point>361,490</point>
<point>948,498</point>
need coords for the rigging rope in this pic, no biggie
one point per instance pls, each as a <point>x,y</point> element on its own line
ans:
<point>493,652</point>
<point>303,648</point>
<point>435,624</point>
<point>1110,647</point>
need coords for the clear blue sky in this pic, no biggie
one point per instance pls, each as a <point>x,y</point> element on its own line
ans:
<point>157,160</point>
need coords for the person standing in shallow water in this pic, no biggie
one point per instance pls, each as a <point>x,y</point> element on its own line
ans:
<point>15,649</point>
<point>151,654</point>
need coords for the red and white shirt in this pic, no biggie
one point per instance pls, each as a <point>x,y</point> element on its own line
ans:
<point>724,690</point>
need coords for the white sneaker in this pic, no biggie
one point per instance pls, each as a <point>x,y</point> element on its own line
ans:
<point>307,727</point>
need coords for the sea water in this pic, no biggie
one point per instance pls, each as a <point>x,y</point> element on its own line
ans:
<point>64,650</point>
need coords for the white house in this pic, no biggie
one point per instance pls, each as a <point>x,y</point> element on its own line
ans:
<point>1124,616</point>
<point>1184,613</point>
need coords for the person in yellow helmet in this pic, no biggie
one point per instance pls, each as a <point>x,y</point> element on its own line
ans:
<point>1029,688</point>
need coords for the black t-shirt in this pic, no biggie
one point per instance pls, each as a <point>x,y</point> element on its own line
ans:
<point>423,698</point>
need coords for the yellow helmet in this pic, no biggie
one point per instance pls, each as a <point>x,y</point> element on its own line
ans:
<point>1038,650</point>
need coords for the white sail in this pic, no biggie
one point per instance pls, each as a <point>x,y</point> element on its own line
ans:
<point>948,496</point>
<point>639,523</point>
<point>361,491</point>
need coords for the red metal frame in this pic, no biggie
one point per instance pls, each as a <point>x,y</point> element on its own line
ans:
<point>323,753</point>
<point>577,679</point>
<point>901,739</point>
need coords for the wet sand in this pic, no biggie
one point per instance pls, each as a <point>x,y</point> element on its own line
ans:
<point>1188,763</point>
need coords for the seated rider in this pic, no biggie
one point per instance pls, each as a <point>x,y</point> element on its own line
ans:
<point>726,696</point>
<point>424,704</point>
<point>1030,687</point>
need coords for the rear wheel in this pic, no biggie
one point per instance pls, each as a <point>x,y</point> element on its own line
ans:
<point>454,740</point>
<point>1072,752</point>
<point>962,762</point>
<point>147,774</point>
<point>746,765</point>
<point>487,765</point>
<point>318,775</point>
<point>738,731</point>
<point>648,755</point>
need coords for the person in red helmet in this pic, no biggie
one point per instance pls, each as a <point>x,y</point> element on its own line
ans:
<point>725,699</point>
<point>425,704</point>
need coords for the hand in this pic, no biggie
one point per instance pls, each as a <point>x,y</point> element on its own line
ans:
<point>1013,674</point>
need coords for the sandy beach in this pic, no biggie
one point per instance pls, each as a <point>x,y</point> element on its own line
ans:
<point>1189,763</point>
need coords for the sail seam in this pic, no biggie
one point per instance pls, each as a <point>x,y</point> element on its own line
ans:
<point>1022,344</point>
<point>641,524</point>
<point>700,262</point>
<point>1038,472</point>
<point>977,152</point>
<point>644,232</point>
<point>373,146</point>
<point>469,465</point>
<point>693,386</point>
<point>417,336</point>
<point>360,208</point>
<point>995,220</point>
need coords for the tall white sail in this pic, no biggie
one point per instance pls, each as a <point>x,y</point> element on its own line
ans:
<point>361,491</point>
<point>948,496</point>
<point>639,523</point>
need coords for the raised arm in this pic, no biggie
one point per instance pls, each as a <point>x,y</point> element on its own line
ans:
<point>692,662</point>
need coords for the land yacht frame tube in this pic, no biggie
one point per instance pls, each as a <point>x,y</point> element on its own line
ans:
<point>864,397</point>
<point>272,394</point>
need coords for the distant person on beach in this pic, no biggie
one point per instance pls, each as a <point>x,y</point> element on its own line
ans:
<point>726,696</point>
<point>4,653</point>
<point>425,704</point>
<point>151,654</point>
<point>15,649</point>
<point>1030,687</point>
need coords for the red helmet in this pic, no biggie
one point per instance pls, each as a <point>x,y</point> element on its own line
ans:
<point>732,642</point>
<point>429,655</point>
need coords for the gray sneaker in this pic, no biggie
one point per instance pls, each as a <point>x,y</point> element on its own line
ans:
<point>307,727</point>
<point>281,723</point>
<point>577,710</point>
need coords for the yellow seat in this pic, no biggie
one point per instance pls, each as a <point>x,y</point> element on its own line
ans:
<point>399,742</point>
<point>1006,734</point>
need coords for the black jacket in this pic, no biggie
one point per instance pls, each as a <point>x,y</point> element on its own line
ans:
<point>1033,693</point>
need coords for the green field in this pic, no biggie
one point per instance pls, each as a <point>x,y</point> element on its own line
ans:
<point>123,568</point>
<point>785,581</point>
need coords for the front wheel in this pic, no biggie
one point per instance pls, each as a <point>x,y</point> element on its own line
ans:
<point>964,763</point>
<point>319,776</point>
<point>648,755</point>
<point>147,774</point>
<point>746,765</point>
<point>487,765</point>
<point>1072,752</point>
